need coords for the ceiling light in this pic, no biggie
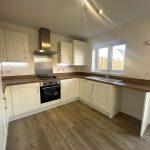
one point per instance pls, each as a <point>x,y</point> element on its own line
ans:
<point>100,11</point>
<point>93,5</point>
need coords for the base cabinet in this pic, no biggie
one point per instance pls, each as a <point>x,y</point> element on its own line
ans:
<point>107,98</point>
<point>3,122</point>
<point>69,89</point>
<point>25,97</point>
<point>103,97</point>
<point>85,90</point>
<point>7,95</point>
<point>100,96</point>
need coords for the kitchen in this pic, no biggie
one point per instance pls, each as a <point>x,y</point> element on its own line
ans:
<point>76,78</point>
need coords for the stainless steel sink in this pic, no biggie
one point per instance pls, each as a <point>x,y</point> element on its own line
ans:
<point>103,79</point>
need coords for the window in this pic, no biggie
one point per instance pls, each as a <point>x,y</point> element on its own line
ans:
<point>102,58</point>
<point>118,54</point>
<point>110,57</point>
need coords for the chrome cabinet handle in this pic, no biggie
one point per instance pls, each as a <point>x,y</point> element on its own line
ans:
<point>5,102</point>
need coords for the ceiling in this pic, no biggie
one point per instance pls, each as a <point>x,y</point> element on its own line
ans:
<point>66,16</point>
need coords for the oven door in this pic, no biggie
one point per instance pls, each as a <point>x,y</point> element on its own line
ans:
<point>50,93</point>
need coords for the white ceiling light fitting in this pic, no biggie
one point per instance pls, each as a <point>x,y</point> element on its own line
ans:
<point>94,6</point>
<point>100,11</point>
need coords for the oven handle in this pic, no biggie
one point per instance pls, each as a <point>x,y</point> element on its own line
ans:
<point>50,87</point>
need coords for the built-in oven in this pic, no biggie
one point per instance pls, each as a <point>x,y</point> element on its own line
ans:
<point>50,91</point>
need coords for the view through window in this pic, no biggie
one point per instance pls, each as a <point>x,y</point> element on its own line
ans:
<point>111,58</point>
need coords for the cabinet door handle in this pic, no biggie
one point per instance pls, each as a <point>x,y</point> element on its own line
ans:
<point>5,102</point>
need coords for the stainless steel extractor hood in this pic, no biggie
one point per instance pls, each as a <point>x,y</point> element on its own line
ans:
<point>44,43</point>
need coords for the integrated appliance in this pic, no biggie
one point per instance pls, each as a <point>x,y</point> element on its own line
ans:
<point>50,90</point>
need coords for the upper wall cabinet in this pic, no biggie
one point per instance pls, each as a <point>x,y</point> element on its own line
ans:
<point>17,46</point>
<point>13,46</point>
<point>65,53</point>
<point>80,53</point>
<point>2,46</point>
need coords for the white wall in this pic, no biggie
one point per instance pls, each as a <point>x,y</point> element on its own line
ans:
<point>26,69</point>
<point>137,59</point>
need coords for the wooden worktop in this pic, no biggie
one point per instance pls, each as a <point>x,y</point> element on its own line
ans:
<point>138,84</point>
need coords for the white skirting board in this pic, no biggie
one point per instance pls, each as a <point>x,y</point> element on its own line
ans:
<point>43,108</point>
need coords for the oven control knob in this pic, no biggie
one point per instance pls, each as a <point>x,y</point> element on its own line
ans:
<point>50,82</point>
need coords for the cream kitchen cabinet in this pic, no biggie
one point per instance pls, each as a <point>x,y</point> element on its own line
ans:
<point>7,97</point>
<point>25,97</point>
<point>100,96</point>
<point>17,46</point>
<point>80,53</point>
<point>106,98</point>
<point>69,89</point>
<point>3,56</point>
<point>103,97</point>
<point>3,122</point>
<point>65,53</point>
<point>85,90</point>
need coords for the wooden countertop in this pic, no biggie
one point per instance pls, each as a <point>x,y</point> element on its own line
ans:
<point>7,81</point>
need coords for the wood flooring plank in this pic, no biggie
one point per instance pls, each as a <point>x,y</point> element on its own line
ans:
<point>76,126</point>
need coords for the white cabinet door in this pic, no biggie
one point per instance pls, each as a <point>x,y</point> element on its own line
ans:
<point>2,46</point>
<point>66,53</point>
<point>85,90</point>
<point>7,95</point>
<point>80,53</point>
<point>25,97</point>
<point>3,125</point>
<point>100,96</point>
<point>17,46</point>
<point>69,89</point>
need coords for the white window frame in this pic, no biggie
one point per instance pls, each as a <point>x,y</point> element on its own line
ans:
<point>110,46</point>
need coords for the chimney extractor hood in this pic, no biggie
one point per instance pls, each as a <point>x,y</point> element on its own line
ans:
<point>44,43</point>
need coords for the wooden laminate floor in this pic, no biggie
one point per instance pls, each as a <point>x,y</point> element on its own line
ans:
<point>76,126</point>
